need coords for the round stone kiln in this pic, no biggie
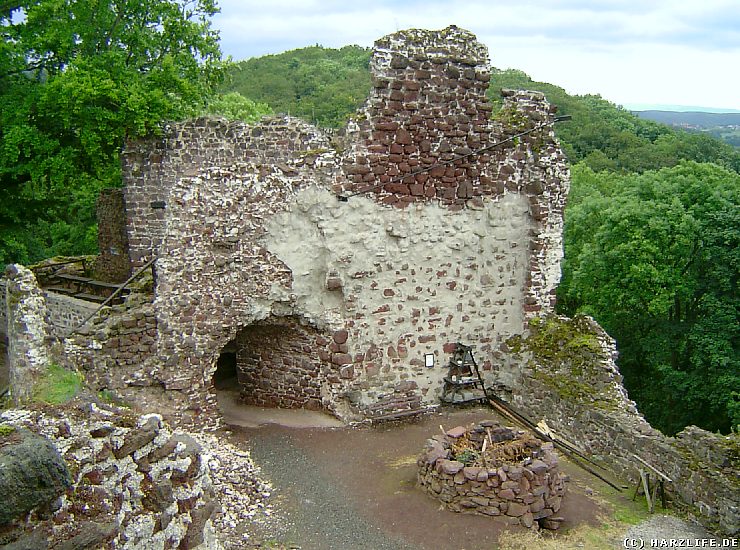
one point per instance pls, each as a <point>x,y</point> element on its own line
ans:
<point>493,470</point>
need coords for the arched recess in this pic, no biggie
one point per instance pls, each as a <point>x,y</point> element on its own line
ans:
<point>276,362</point>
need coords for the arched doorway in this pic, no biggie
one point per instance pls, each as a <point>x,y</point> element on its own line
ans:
<point>274,363</point>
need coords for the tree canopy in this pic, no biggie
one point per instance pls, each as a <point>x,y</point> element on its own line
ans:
<point>655,258</point>
<point>322,85</point>
<point>76,78</point>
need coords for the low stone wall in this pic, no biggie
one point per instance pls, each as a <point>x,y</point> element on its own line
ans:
<point>136,484</point>
<point>115,349</point>
<point>520,479</point>
<point>66,313</point>
<point>569,378</point>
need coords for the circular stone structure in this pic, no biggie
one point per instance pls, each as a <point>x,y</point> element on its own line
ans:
<point>495,471</point>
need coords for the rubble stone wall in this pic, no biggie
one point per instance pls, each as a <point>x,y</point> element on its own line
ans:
<point>136,483</point>
<point>113,263</point>
<point>585,402</point>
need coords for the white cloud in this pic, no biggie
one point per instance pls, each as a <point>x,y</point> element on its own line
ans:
<point>659,51</point>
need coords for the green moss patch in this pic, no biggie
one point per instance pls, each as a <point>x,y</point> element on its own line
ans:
<point>57,385</point>
<point>567,357</point>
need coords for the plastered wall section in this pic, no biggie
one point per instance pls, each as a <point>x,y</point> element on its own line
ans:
<point>406,284</point>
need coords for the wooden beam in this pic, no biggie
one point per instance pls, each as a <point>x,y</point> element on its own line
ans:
<point>655,470</point>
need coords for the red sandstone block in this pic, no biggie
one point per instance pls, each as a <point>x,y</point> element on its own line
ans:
<point>341,359</point>
<point>387,126</point>
<point>340,336</point>
<point>417,189</point>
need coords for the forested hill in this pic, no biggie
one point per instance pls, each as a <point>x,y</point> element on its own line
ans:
<point>326,86</point>
<point>652,235</point>
<point>691,119</point>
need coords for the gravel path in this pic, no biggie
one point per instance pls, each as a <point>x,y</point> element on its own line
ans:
<point>666,528</point>
<point>313,502</point>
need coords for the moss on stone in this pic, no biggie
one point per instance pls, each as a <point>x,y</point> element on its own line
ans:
<point>512,118</point>
<point>6,430</point>
<point>566,356</point>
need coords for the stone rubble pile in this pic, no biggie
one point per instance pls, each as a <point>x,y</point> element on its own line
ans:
<point>138,484</point>
<point>242,493</point>
<point>491,470</point>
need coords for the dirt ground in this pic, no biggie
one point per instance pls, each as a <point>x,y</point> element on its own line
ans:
<point>353,488</point>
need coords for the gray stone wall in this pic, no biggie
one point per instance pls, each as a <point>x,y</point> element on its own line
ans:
<point>27,331</point>
<point>572,382</point>
<point>66,313</point>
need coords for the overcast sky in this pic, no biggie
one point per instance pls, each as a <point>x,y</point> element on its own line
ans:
<point>669,52</point>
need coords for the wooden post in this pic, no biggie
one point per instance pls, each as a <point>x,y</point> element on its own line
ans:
<point>645,476</point>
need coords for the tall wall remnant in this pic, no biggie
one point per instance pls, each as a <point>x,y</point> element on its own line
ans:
<point>27,330</point>
<point>450,232</point>
<point>447,236</point>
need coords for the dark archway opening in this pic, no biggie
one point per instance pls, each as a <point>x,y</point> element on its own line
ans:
<point>274,363</point>
<point>226,375</point>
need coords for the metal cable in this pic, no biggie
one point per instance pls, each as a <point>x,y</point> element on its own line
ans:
<point>400,178</point>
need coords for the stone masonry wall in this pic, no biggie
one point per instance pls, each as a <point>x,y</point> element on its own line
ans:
<point>278,364</point>
<point>152,166</point>
<point>251,228</point>
<point>113,263</point>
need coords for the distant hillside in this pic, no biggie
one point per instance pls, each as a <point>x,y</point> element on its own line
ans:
<point>724,126</point>
<point>691,119</point>
<point>321,85</point>
<point>326,86</point>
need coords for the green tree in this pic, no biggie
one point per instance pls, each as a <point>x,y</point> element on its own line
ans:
<point>655,259</point>
<point>322,85</point>
<point>77,77</point>
<point>607,137</point>
<point>235,106</point>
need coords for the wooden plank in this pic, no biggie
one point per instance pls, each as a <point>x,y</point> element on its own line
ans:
<point>60,290</point>
<point>655,470</point>
<point>90,297</point>
<point>73,278</point>
<point>645,476</point>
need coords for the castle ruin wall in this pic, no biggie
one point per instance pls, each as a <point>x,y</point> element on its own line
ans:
<point>434,244</point>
